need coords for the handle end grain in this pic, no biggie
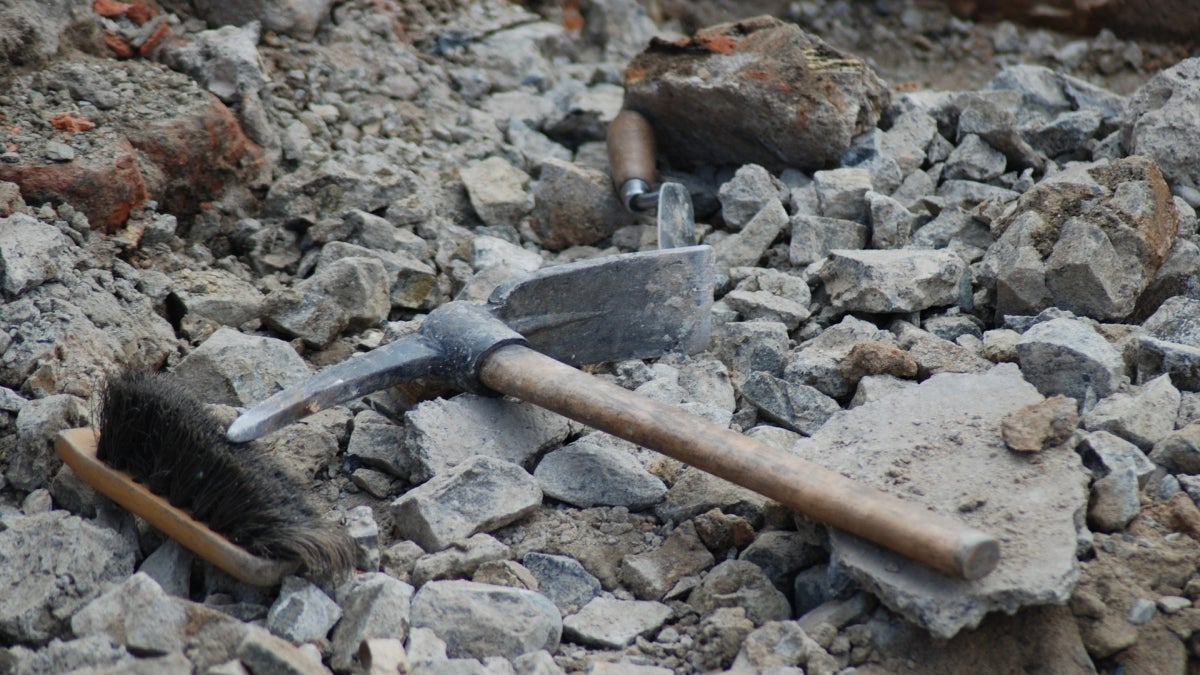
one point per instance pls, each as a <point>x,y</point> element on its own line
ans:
<point>978,556</point>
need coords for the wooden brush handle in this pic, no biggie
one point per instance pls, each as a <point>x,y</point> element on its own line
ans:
<point>631,148</point>
<point>77,449</point>
<point>941,542</point>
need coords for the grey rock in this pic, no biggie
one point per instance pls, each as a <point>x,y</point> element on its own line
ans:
<point>992,118</point>
<point>574,205</point>
<point>1000,345</point>
<point>400,558</point>
<point>747,247</point>
<point>614,624</point>
<point>1177,319</point>
<point>487,251</point>
<point>953,326</point>
<point>302,612</point>
<point>780,647</point>
<point>374,605</point>
<point>591,472</point>
<point>369,182</point>
<point>744,195</point>
<point>216,295</point>
<point>409,281</point>
<point>1088,239</point>
<point>94,653</point>
<point>1041,89</point>
<point>37,34</point>
<point>298,18</point>
<point>460,560</point>
<point>224,61</point>
<point>537,663</point>
<point>31,253</point>
<point>895,280</point>
<point>955,421</point>
<point>170,566</point>
<point>1179,451</point>
<point>767,306</point>
<point>37,425</point>
<point>59,152</point>
<point>498,191</point>
<point>794,406</point>
<point>315,318</point>
<point>375,483</point>
<point>870,152</point>
<point>1143,611</point>
<point>358,284</point>
<point>652,574</point>
<point>377,442</point>
<point>237,369</point>
<point>568,585</point>
<point>1160,123</point>
<point>1155,357</point>
<point>713,125</point>
<point>749,346</point>
<point>444,433</point>
<point>362,528</point>
<point>782,553</point>
<point>975,160</point>
<point>1068,357</point>
<point>695,492</point>
<point>264,653</point>
<point>1143,417</point>
<point>1175,279</point>
<point>819,363</point>
<point>138,615</point>
<point>892,224</point>
<point>1114,500</point>
<point>1112,453</point>
<point>813,237</point>
<point>477,620</point>
<point>1172,604</point>
<point>842,193</point>
<point>739,583</point>
<point>838,612</point>
<point>811,589</point>
<point>934,355</point>
<point>874,387</point>
<point>478,495</point>
<point>40,549</point>
<point>969,194</point>
<point>908,138</point>
<point>1068,133</point>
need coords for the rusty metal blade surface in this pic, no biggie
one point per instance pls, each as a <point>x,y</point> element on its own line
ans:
<point>629,306</point>
<point>676,218</point>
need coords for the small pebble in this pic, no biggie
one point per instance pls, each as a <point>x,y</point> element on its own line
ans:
<point>59,152</point>
<point>1143,610</point>
<point>1169,604</point>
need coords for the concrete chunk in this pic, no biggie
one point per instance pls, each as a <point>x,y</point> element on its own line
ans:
<point>941,447</point>
<point>613,624</point>
<point>478,620</point>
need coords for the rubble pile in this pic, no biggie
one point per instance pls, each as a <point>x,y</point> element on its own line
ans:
<point>979,295</point>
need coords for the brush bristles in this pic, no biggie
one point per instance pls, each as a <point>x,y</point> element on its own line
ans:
<point>161,436</point>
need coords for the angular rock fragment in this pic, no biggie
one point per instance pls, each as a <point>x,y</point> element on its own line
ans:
<point>941,446</point>
<point>478,495</point>
<point>1068,357</point>
<point>302,612</point>
<point>498,191</point>
<point>137,615</point>
<point>794,406</point>
<point>740,583</point>
<point>573,205</point>
<point>746,247</point>
<point>290,17</point>
<point>373,605</point>
<point>651,575</point>
<point>613,624</point>
<point>591,472</point>
<point>758,103</point>
<point>478,620</point>
<point>744,195</point>
<point>237,369</point>
<point>568,585</point>
<point>1161,122</point>
<point>1041,426</point>
<point>31,253</point>
<point>895,281</point>
<point>1089,240</point>
<point>441,434</point>
<point>814,237</point>
<point>462,559</point>
<point>1142,417</point>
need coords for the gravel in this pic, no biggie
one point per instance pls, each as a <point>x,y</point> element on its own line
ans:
<point>964,274</point>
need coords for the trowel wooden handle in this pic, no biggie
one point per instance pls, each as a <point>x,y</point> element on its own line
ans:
<point>77,449</point>
<point>941,542</point>
<point>631,148</point>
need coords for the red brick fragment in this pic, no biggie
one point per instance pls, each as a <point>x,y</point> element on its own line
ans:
<point>105,185</point>
<point>70,123</point>
<point>139,13</point>
<point>109,8</point>
<point>162,32</point>
<point>119,45</point>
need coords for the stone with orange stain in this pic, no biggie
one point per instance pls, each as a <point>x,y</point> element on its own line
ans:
<point>758,91</point>
<point>139,13</point>
<point>119,45</point>
<point>106,184</point>
<point>162,32</point>
<point>109,8</point>
<point>70,123</point>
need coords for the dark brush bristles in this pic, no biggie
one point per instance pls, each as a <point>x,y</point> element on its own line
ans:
<point>160,435</point>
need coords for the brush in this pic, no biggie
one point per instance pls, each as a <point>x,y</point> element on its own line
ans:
<point>163,455</point>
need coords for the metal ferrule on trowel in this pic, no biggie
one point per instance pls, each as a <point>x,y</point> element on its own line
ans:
<point>631,152</point>
<point>638,305</point>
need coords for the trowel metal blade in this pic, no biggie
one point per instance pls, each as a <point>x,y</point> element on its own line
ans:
<point>629,306</point>
<point>676,218</point>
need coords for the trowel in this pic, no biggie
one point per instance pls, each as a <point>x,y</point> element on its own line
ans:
<point>525,339</point>
<point>631,151</point>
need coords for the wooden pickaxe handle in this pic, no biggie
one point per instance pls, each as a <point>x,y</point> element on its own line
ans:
<point>631,148</point>
<point>939,541</point>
